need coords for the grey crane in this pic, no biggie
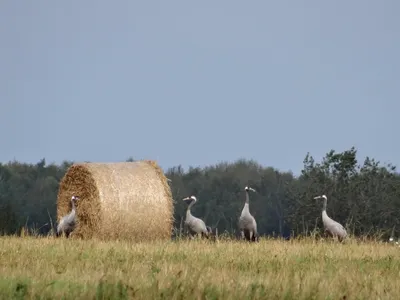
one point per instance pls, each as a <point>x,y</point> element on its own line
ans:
<point>332,227</point>
<point>67,223</point>
<point>247,223</point>
<point>194,225</point>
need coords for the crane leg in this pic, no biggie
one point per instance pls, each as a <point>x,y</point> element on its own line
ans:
<point>187,232</point>
<point>209,231</point>
<point>205,235</point>
<point>247,235</point>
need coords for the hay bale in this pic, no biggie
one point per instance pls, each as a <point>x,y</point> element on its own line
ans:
<point>127,200</point>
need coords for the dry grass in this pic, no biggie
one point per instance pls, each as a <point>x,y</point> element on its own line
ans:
<point>44,268</point>
<point>130,200</point>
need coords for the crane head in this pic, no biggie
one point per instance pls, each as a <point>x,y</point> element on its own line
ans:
<point>323,197</point>
<point>74,198</point>
<point>190,198</point>
<point>247,188</point>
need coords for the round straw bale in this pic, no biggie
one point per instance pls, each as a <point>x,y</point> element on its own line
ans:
<point>127,200</point>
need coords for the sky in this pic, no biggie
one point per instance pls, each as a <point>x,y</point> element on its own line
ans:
<point>194,83</point>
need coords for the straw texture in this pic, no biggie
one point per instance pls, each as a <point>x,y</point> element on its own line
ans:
<point>127,200</point>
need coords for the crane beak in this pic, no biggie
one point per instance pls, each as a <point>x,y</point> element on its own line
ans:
<point>187,198</point>
<point>318,197</point>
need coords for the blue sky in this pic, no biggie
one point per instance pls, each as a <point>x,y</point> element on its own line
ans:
<point>195,83</point>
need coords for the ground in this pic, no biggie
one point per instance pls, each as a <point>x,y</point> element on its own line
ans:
<point>48,268</point>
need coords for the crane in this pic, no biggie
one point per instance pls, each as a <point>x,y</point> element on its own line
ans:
<point>247,223</point>
<point>67,223</point>
<point>332,227</point>
<point>195,225</point>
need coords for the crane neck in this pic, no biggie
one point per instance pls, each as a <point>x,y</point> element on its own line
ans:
<point>190,205</point>
<point>72,205</point>
<point>247,198</point>
<point>324,205</point>
<point>245,209</point>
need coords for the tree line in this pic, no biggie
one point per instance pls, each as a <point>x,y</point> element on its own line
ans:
<point>365,197</point>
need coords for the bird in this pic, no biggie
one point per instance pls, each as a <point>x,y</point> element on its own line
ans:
<point>67,223</point>
<point>332,227</point>
<point>195,225</point>
<point>247,223</point>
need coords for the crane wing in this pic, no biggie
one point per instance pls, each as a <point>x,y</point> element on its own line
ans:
<point>247,221</point>
<point>197,225</point>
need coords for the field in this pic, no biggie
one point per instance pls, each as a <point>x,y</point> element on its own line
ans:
<point>48,268</point>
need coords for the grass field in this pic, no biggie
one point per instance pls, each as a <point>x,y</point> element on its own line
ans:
<point>48,268</point>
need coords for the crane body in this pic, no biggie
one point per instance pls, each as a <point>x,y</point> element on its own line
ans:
<point>247,223</point>
<point>67,223</point>
<point>333,228</point>
<point>195,226</point>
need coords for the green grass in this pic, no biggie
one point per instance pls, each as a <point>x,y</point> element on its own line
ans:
<point>48,268</point>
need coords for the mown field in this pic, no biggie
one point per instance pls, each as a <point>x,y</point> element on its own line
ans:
<point>48,268</point>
